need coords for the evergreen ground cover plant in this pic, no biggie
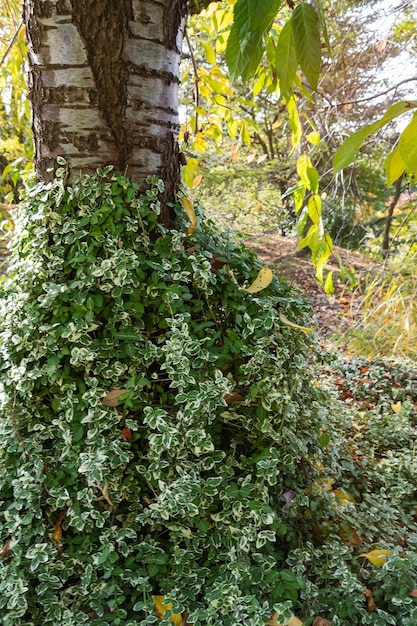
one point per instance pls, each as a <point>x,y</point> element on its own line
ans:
<point>165,432</point>
<point>153,415</point>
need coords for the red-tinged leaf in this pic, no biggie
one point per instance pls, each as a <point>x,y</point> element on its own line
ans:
<point>413,594</point>
<point>126,433</point>
<point>111,399</point>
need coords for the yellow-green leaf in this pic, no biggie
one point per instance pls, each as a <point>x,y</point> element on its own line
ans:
<point>377,557</point>
<point>295,124</point>
<point>314,208</point>
<point>188,207</point>
<point>394,166</point>
<point>210,53</point>
<point>396,407</point>
<point>288,322</point>
<point>313,138</point>
<point>407,145</point>
<point>190,171</point>
<point>263,279</point>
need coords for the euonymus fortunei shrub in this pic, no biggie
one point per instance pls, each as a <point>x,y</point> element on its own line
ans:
<point>162,433</point>
<point>153,416</point>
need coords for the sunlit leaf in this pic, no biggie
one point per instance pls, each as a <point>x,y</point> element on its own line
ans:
<point>306,30</point>
<point>407,145</point>
<point>245,46</point>
<point>313,138</point>
<point>377,557</point>
<point>394,166</point>
<point>314,208</point>
<point>190,213</point>
<point>288,322</point>
<point>347,152</point>
<point>329,284</point>
<point>286,60</point>
<point>209,52</point>
<point>396,407</point>
<point>294,119</point>
<point>190,171</point>
<point>262,281</point>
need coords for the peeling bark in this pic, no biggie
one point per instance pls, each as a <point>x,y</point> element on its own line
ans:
<point>104,82</point>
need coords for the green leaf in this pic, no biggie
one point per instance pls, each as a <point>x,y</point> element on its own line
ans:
<point>394,166</point>
<point>314,208</point>
<point>306,30</point>
<point>407,145</point>
<point>245,46</point>
<point>349,148</point>
<point>294,119</point>
<point>286,59</point>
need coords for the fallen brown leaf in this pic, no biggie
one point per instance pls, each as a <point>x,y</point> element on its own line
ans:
<point>111,398</point>
<point>232,398</point>
<point>6,549</point>
<point>370,600</point>
<point>321,621</point>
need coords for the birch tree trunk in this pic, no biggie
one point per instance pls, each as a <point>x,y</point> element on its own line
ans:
<point>104,81</point>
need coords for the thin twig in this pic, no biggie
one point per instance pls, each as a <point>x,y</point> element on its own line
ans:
<point>9,47</point>
<point>377,95</point>
<point>196,79</point>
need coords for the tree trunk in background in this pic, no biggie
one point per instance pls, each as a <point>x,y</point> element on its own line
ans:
<point>104,78</point>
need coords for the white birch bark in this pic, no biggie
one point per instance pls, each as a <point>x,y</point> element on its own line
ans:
<point>104,84</point>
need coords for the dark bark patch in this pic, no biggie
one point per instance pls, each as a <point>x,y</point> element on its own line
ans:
<point>174,15</point>
<point>103,26</point>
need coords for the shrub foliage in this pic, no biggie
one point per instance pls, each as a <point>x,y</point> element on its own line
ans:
<point>153,415</point>
<point>164,433</point>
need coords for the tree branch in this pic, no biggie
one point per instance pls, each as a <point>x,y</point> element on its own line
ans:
<point>377,95</point>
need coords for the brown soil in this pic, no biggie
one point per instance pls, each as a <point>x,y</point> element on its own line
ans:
<point>334,313</point>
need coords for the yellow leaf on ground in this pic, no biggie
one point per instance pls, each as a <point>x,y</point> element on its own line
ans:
<point>263,279</point>
<point>396,407</point>
<point>377,557</point>
<point>161,607</point>
<point>288,322</point>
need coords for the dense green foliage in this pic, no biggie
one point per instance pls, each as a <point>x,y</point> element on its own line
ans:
<point>163,432</point>
<point>178,489</point>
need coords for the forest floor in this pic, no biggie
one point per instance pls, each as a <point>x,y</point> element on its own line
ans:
<point>335,313</point>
